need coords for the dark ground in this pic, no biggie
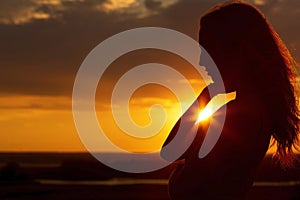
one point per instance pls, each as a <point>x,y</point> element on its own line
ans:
<point>22,175</point>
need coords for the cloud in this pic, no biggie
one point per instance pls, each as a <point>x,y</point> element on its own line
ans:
<point>146,102</point>
<point>43,43</point>
<point>22,11</point>
<point>153,4</point>
<point>27,11</point>
<point>112,5</point>
<point>259,2</point>
<point>127,8</point>
<point>35,102</point>
<point>136,8</point>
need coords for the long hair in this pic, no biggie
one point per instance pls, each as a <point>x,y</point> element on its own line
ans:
<point>241,40</point>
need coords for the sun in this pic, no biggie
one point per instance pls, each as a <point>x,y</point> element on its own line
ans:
<point>204,114</point>
<point>214,105</point>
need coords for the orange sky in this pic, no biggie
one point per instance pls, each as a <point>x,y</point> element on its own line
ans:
<point>37,123</point>
<point>43,44</point>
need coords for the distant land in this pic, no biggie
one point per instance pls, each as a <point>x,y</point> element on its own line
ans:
<point>81,176</point>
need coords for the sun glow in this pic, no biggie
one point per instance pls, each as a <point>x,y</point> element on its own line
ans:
<point>205,114</point>
<point>215,104</point>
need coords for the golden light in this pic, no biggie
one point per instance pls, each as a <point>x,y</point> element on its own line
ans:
<point>215,104</point>
<point>113,5</point>
<point>205,114</point>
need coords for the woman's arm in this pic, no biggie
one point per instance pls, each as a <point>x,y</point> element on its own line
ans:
<point>202,100</point>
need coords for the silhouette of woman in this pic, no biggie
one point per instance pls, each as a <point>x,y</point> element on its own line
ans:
<point>254,62</point>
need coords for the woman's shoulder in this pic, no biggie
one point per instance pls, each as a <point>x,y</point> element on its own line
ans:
<point>247,121</point>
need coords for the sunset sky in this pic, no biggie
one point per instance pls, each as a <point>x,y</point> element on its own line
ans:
<point>43,43</point>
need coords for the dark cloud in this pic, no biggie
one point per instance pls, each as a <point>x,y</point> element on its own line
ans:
<point>43,55</point>
<point>153,4</point>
